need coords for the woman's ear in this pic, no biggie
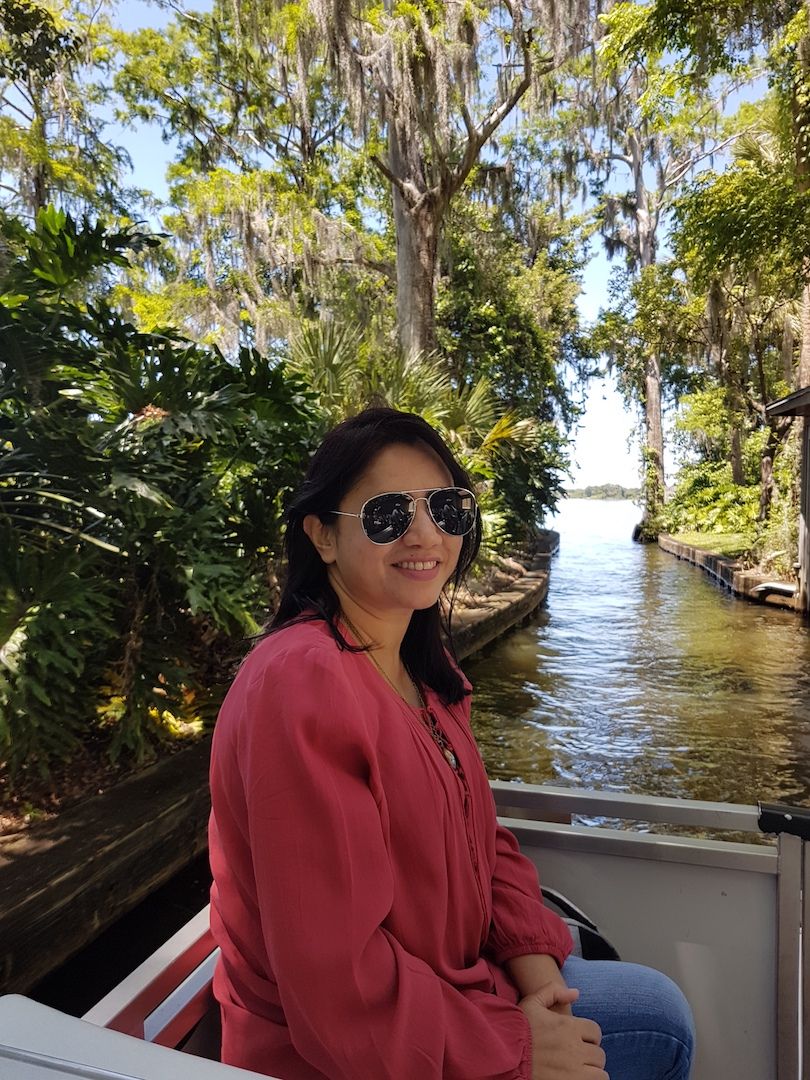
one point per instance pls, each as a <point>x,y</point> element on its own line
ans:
<point>322,537</point>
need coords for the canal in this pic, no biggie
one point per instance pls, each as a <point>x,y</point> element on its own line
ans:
<point>642,675</point>
<point>639,675</point>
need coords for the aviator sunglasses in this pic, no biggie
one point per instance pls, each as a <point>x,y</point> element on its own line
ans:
<point>387,517</point>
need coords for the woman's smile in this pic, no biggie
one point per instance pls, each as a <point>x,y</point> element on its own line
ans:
<point>418,569</point>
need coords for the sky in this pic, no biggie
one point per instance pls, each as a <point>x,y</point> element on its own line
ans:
<point>603,450</point>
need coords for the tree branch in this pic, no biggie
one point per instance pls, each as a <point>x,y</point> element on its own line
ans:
<point>477,138</point>
<point>386,269</point>
<point>716,148</point>
<point>319,140</point>
<point>16,108</point>
<point>389,176</point>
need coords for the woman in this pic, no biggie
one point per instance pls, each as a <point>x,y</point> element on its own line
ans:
<point>375,921</point>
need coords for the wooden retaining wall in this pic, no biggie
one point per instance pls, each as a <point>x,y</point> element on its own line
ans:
<point>728,572</point>
<point>63,881</point>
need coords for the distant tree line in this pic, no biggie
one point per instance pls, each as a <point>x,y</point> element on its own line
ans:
<point>604,491</point>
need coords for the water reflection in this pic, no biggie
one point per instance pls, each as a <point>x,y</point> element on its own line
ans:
<point>641,675</point>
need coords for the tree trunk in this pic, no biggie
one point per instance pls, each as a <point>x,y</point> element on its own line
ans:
<point>653,480</point>
<point>737,473</point>
<point>416,223</point>
<point>803,373</point>
<point>646,221</point>
<point>39,173</point>
<point>417,249</point>
<point>766,474</point>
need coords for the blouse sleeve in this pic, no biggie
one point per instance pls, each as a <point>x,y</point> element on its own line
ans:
<point>521,923</point>
<point>355,1001</point>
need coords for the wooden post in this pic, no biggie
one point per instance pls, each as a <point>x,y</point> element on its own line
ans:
<point>798,404</point>
<point>804,519</point>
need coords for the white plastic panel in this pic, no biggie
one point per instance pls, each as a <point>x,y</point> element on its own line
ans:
<point>62,1047</point>
<point>712,929</point>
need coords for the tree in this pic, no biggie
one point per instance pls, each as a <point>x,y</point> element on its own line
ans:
<point>507,310</point>
<point>656,128</point>
<point>437,81</point>
<point>52,141</point>
<point>274,213</point>
<point>743,238</point>
<point>712,37</point>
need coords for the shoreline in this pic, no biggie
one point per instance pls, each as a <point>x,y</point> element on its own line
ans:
<point>729,572</point>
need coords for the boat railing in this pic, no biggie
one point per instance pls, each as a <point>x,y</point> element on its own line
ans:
<point>169,994</point>
<point>727,918</point>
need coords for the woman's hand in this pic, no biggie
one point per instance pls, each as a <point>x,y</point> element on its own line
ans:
<point>564,1047</point>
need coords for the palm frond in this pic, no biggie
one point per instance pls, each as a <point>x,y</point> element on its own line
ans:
<point>327,357</point>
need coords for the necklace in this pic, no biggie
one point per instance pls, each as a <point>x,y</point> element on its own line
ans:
<point>430,721</point>
<point>391,683</point>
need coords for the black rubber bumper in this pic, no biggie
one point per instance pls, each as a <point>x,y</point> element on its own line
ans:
<point>795,820</point>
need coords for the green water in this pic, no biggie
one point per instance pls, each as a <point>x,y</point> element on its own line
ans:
<point>642,675</point>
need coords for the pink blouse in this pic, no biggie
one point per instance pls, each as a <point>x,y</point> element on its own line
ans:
<point>365,897</point>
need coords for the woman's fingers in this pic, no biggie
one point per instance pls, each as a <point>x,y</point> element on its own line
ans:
<point>595,1056</point>
<point>555,994</point>
<point>589,1031</point>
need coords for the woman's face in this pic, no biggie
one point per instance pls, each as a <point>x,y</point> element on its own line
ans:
<point>381,578</point>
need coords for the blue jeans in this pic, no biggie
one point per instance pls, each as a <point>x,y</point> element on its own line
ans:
<point>647,1027</point>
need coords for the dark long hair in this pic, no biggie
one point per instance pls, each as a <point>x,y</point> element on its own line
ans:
<point>343,456</point>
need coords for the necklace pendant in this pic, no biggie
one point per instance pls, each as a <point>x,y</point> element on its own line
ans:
<point>451,758</point>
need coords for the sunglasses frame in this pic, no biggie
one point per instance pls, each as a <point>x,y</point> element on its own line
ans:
<point>409,495</point>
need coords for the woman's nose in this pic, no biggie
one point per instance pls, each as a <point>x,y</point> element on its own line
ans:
<point>423,526</point>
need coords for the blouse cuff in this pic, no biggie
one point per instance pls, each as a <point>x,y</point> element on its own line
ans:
<point>535,947</point>
<point>526,1061</point>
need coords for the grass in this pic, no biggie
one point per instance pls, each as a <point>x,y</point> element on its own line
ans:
<point>729,544</point>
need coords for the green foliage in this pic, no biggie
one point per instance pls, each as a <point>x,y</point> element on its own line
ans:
<point>711,36</point>
<point>53,60</point>
<point>529,480</point>
<point>653,312</point>
<point>703,425</point>
<point>778,539</point>
<point>729,545</point>
<point>706,499</point>
<point>272,205</point>
<point>34,40</point>
<point>141,485</point>
<point>499,317</point>
<point>728,220</point>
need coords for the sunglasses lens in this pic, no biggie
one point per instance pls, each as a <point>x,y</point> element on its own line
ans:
<point>453,510</point>
<point>387,517</point>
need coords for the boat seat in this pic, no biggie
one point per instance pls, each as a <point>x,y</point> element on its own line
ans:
<point>40,1043</point>
<point>205,1039</point>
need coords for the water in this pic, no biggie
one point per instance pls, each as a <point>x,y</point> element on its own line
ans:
<point>642,675</point>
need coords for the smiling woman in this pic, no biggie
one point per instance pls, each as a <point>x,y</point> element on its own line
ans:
<point>374,918</point>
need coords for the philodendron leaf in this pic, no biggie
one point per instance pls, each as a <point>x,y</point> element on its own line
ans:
<point>124,481</point>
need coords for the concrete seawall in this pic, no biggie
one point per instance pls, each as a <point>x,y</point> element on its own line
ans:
<point>730,573</point>
<point>63,881</point>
